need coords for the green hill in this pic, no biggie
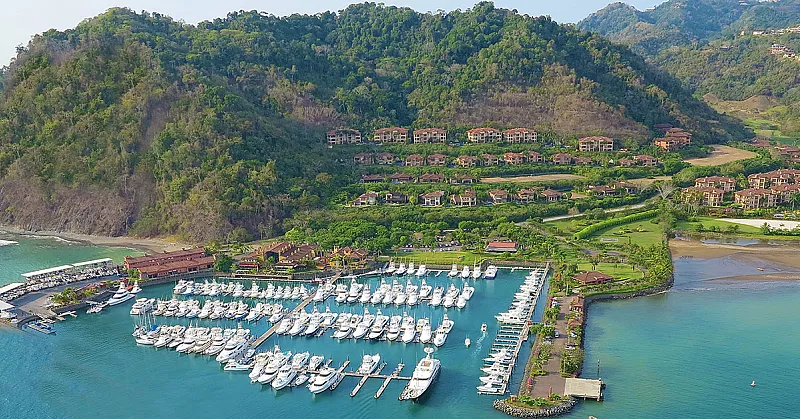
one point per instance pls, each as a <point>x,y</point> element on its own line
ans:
<point>136,123</point>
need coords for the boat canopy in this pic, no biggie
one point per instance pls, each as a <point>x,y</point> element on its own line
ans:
<point>10,287</point>
<point>97,262</point>
<point>47,271</point>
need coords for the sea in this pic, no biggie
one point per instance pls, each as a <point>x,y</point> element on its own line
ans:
<point>691,352</point>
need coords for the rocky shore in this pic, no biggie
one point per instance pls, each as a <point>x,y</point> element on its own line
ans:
<point>525,412</point>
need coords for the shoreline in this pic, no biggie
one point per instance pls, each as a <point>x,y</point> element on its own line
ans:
<point>147,245</point>
<point>782,256</point>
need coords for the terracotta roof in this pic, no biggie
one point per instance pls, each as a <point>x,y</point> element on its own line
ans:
<point>518,131</point>
<point>594,138</point>
<point>343,130</point>
<point>391,129</point>
<point>482,130</point>
<point>430,131</point>
<point>436,194</point>
<point>592,278</point>
<point>551,192</point>
<point>753,192</point>
<point>177,266</point>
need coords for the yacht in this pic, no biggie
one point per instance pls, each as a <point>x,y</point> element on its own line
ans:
<point>323,380</point>
<point>136,289</point>
<point>412,294</point>
<point>439,337</point>
<point>424,376</point>
<point>426,335</point>
<point>411,269</point>
<point>341,297</point>
<point>447,324</point>
<point>388,298</point>
<point>409,332</point>
<point>401,269</point>
<point>120,296</point>
<point>285,325</point>
<point>491,272</point>
<point>376,330</point>
<point>343,331</point>
<point>436,299</point>
<point>262,359</point>
<point>142,306</point>
<point>390,269</point>
<point>467,291</point>
<point>329,317</point>
<point>363,327</point>
<point>355,291</point>
<point>394,328</point>
<point>285,377</point>
<point>476,273</point>
<point>300,360</point>
<point>422,270</point>
<point>461,302</point>
<point>300,380</point>
<point>424,290</point>
<point>315,362</point>
<point>465,272</point>
<point>369,363</point>
<point>365,295</point>
<point>453,271</point>
<point>278,360</point>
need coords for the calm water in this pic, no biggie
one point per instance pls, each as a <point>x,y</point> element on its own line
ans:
<point>92,367</point>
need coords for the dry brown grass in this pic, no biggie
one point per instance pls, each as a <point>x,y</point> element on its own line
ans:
<point>645,182</point>
<point>534,178</point>
<point>722,154</point>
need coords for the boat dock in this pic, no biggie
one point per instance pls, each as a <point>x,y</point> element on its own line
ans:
<point>364,380</point>
<point>387,380</point>
<point>509,338</point>
<point>271,331</point>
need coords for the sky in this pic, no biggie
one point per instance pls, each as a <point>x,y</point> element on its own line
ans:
<point>22,19</point>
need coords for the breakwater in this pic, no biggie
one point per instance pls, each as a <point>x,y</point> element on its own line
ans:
<point>531,412</point>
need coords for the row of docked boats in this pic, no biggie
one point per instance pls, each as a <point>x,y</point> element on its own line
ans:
<point>402,269</point>
<point>524,301</point>
<point>497,371</point>
<point>224,344</point>
<point>238,290</point>
<point>208,309</point>
<point>465,272</point>
<point>397,294</point>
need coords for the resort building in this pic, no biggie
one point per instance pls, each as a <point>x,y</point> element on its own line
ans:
<point>390,135</point>
<point>372,178</point>
<point>467,161</point>
<point>596,143</point>
<point>707,196</point>
<point>467,198</point>
<point>645,160</point>
<point>520,135</point>
<point>628,187</point>
<point>535,157</point>
<point>490,160</point>
<point>437,160</point>
<point>135,262</point>
<point>675,138</point>
<point>501,247</point>
<point>463,179</point>
<point>431,199</point>
<point>562,158</point>
<point>347,257</point>
<point>363,159</point>
<point>366,199</point>
<point>396,198</point>
<point>385,158</point>
<point>430,135</point>
<point>592,278</point>
<point>527,195</point>
<point>401,178</point>
<point>601,190</point>
<point>513,158</point>
<point>498,196</point>
<point>727,184</point>
<point>584,161</point>
<point>773,178</point>
<point>344,136</point>
<point>431,178</point>
<point>552,195</point>
<point>755,198</point>
<point>415,160</point>
<point>484,135</point>
<point>783,193</point>
<point>178,269</point>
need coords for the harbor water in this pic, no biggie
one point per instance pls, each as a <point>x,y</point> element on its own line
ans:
<point>92,367</point>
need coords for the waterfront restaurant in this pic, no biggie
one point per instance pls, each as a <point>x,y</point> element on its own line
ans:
<point>501,247</point>
<point>592,278</point>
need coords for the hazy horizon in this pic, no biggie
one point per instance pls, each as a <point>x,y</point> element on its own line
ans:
<point>25,19</point>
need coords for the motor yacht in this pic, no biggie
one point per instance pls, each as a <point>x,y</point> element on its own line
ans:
<point>286,376</point>
<point>262,359</point>
<point>300,380</point>
<point>390,269</point>
<point>491,272</point>
<point>300,360</point>
<point>120,296</point>
<point>369,363</point>
<point>453,271</point>
<point>315,362</point>
<point>278,360</point>
<point>323,380</point>
<point>142,306</point>
<point>355,291</point>
<point>378,326</point>
<point>394,328</point>
<point>476,273</point>
<point>426,335</point>
<point>424,290</point>
<point>401,270</point>
<point>439,337</point>
<point>447,324</point>
<point>467,291</point>
<point>411,269</point>
<point>465,272</point>
<point>409,333</point>
<point>436,297</point>
<point>363,326</point>
<point>365,295</point>
<point>461,302</point>
<point>424,376</point>
<point>422,271</point>
<point>136,288</point>
<point>285,325</point>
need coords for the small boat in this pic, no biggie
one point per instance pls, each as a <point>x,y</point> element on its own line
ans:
<point>465,272</point>
<point>467,342</point>
<point>491,272</point>
<point>753,384</point>
<point>453,271</point>
<point>300,380</point>
<point>483,328</point>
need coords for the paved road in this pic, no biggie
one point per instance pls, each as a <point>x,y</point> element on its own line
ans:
<point>613,210</point>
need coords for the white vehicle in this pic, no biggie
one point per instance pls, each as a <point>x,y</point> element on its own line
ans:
<point>401,270</point>
<point>425,290</point>
<point>411,270</point>
<point>300,360</point>
<point>378,326</point>
<point>142,306</point>
<point>390,269</point>
<point>426,336</point>
<point>476,273</point>
<point>315,362</point>
<point>436,298</point>
<point>394,328</point>
<point>491,272</point>
<point>453,271</point>
<point>447,324</point>
<point>286,376</point>
<point>422,270</point>
<point>465,272</point>
<point>424,376</point>
<point>278,360</point>
<point>439,337</point>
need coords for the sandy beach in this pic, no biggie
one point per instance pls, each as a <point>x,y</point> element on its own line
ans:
<point>781,257</point>
<point>149,245</point>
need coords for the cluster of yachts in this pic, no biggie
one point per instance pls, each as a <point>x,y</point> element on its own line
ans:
<point>397,294</point>
<point>124,293</point>
<point>237,290</point>
<point>376,326</point>
<point>230,346</point>
<point>498,370</point>
<point>209,309</point>
<point>465,272</point>
<point>524,302</point>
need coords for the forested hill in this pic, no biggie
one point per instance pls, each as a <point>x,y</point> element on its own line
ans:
<point>684,22</point>
<point>136,123</point>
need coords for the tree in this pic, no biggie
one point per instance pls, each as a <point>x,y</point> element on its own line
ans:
<point>223,263</point>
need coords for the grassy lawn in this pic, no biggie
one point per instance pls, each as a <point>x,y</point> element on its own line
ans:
<point>722,154</point>
<point>440,258</point>
<point>619,271</point>
<point>569,225</point>
<point>721,224</point>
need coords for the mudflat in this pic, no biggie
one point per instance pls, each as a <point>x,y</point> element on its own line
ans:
<point>782,256</point>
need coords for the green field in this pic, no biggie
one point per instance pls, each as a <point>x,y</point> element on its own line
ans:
<point>721,224</point>
<point>642,233</point>
<point>618,270</point>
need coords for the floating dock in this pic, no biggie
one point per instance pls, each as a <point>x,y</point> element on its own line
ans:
<point>271,331</point>
<point>387,380</point>
<point>364,380</point>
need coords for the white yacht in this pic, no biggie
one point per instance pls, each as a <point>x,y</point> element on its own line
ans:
<point>390,269</point>
<point>323,380</point>
<point>278,360</point>
<point>409,333</point>
<point>453,271</point>
<point>426,335</point>
<point>436,298</point>
<point>136,289</point>
<point>120,296</point>
<point>142,306</point>
<point>465,272</point>
<point>423,269</point>
<point>300,360</point>
<point>424,376</point>
<point>424,290</point>
<point>467,291</point>
<point>447,324</point>
<point>378,326</point>
<point>439,337</point>
<point>285,377</point>
<point>394,328</point>
<point>369,363</point>
<point>491,272</point>
<point>411,269</point>
<point>315,362</point>
<point>365,295</point>
<point>401,269</point>
<point>476,273</point>
<point>461,302</point>
<point>262,359</point>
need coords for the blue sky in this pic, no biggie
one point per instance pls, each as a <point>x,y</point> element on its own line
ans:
<point>24,18</point>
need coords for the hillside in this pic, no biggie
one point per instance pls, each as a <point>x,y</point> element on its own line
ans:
<point>685,22</point>
<point>138,124</point>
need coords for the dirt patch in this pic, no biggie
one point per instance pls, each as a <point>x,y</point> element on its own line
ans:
<point>533,178</point>
<point>784,254</point>
<point>645,182</point>
<point>722,154</point>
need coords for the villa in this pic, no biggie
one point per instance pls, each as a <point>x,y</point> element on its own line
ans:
<point>520,135</point>
<point>432,199</point>
<point>344,136</point>
<point>390,135</point>
<point>596,143</point>
<point>415,160</point>
<point>467,198</point>
<point>484,135</point>
<point>430,135</point>
<point>498,196</point>
<point>437,160</point>
<point>366,199</point>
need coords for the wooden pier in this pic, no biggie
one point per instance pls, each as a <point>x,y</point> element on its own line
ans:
<point>364,380</point>
<point>271,331</point>
<point>510,337</point>
<point>387,380</point>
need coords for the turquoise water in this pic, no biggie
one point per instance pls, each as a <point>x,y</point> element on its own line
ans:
<point>20,254</point>
<point>692,352</point>
<point>92,368</point>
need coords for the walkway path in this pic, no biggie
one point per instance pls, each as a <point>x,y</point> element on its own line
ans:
<point>553,380</point>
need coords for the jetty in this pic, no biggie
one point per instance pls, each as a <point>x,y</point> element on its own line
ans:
<point>387,380</point>
<point>364,380</point>
<point>271,331</point>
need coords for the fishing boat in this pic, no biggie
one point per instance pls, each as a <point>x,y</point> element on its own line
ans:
<point>491,272</point>
<point>465,272</point>
<point>453,271</point>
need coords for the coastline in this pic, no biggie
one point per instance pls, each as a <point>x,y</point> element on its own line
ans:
<point>780,255</point>
<point>151,245</point>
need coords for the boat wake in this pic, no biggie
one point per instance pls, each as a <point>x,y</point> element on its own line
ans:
<point>7,242</point>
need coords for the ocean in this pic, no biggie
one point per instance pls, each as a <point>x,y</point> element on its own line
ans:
<point>93,368</point>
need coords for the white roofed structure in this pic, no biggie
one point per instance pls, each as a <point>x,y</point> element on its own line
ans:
<point>48,271</point>
<point>584,388</point>
<point>10,287</point>
<point>92,263</point>
<point>5,306</point>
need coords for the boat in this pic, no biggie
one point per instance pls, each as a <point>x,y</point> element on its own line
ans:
<point>439,337</point>
<point>378,325</point>
<point>96,307</point>
<point>483,328</point>
<point>41,327</point>
<point>426,335</point>
<point>136,288</point>
<point>394,328</point>
<point>235,365</point>
<point>436,297</point>
<point>401,269</point>
<point>365,295</point>
<point>491,272</point>
<point>286,376</point>
<point>315,362</point>
<point>461,302</point>
<point>300,380</point>
<point>411,269</point>
<point>409,333</point>
<point>476,273</point>
<point>262,359</point>
<point>465,272</point>
<point>453,271</point>
<point>467,291</point>
<point>120,296</point>
<point>467,342</point>
<point>300,360</point>
<point>424,290</point>
<point>390,269</point>
<point>424,376</point>
<point>490,388</point>
<point>423,269</point>
<point>753,384</point>
<point>323,380</point>
<point>369,363</point>
<point>278,360</point>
